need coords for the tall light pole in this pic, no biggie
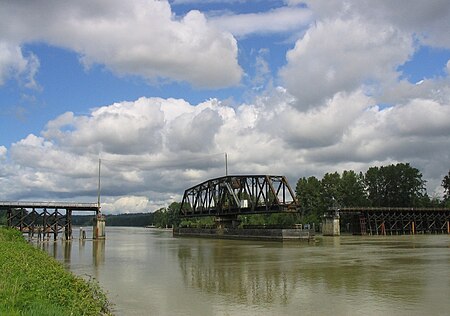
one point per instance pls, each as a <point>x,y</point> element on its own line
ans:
<point>98,188</point>
<point>226,164</point>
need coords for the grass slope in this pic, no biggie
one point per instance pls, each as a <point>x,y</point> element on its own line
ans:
<point>32,283</point>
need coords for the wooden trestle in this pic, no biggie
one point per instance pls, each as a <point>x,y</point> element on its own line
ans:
<point>398,221</point>
<point>42,219</point>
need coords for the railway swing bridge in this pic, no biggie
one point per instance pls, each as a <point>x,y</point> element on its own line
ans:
<point>226,198</point>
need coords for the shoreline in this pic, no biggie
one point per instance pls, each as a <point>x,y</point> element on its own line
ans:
<point>32,282</point>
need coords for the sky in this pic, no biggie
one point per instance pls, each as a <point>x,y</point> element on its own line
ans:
<point>161,90</point>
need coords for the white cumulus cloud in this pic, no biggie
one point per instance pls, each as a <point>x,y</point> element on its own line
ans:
<point>341,55</point>
<point>142,38</point>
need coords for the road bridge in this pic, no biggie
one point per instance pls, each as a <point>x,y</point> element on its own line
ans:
<point>46,218</point>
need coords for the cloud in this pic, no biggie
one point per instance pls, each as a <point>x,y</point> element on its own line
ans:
<point>341,103</point>
<point>142,38</point>
<point>427,20</point>
<point>122,205</point>
<point>278,20</point>
<point>341,55</point>
<point>3,151</point>
<point>13,64</point>
<point>271,135</point>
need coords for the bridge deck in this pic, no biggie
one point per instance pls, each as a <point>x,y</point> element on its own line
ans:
<point>358,209</point>
<point>50,205</point>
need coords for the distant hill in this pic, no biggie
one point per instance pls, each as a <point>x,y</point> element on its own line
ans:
<point>135,219</point>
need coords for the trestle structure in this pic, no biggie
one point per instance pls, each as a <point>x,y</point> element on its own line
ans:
<point>43,219</point>
<point>398,220</point>
<point>230,196</point>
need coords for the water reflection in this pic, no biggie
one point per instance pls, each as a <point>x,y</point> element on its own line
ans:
<point>149,272</point>
<point>76,252</point>
<point>98,252</point>
<point>278,273</point>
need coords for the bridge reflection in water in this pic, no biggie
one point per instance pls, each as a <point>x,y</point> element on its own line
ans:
<point>146,271</point>
<point>279,274</point>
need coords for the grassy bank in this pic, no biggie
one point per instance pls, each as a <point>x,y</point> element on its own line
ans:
<point>32,283</point>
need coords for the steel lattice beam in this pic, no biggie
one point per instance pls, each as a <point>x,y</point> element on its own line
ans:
<point>236,195</point>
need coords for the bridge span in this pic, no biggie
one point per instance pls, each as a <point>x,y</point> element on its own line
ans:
<point>230,196</point>
<point>391,220</point>
<point>49,218</point>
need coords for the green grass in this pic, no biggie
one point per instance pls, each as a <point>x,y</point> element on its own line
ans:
<point>32,283</point>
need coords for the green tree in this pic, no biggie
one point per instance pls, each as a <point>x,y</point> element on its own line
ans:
<point>173,214</point>
<point>352,189</point>
<point>446,186</point>
<point>160,218</point>
<point>308,193</point>
<point>331,190</point>
<point>395,185</point>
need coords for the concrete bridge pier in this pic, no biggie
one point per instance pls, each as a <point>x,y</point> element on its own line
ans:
<point>330,225</point>
<point>99,227</point>
<point>223,222</point>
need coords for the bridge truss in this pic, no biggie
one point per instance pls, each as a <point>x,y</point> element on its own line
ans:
<point>44,218</point>
<point>238,195</point>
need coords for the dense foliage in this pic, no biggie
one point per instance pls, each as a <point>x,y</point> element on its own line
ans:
<point>132,219</point>
<point>446,186</point>
<point>167,217</point>
<point>32,283</point>
<point>399,185</point>
<point>2,217</point>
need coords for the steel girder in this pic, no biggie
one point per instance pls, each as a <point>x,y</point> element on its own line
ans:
<point>237,195</point>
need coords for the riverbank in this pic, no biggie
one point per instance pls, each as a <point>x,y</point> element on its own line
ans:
<point>32,283</point>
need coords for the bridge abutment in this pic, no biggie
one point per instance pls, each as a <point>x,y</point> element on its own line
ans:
<point>331,225</point>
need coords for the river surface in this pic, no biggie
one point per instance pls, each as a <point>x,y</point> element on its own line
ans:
<point>148,272</point>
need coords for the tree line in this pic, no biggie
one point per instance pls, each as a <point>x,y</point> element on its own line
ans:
<point>395,185</point>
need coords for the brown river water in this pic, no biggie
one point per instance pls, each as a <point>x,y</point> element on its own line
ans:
<point>148,272</point>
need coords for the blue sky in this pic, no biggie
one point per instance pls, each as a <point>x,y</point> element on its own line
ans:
<point>331,86</point>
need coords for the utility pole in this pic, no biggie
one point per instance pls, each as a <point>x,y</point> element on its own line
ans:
<point>226,164</point>
<point>98,188</point>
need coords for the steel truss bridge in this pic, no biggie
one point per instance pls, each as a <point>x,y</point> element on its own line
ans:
<point>397,220</point>
<point>44,218</point>
<point>231,196</point>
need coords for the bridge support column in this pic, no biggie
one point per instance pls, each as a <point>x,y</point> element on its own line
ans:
<point>330,225</point>
<point>227,222</point>
<point>99,227</point>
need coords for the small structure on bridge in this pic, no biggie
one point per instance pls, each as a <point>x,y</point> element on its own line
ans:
<point>226,198</point>
<point>42,219</point>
